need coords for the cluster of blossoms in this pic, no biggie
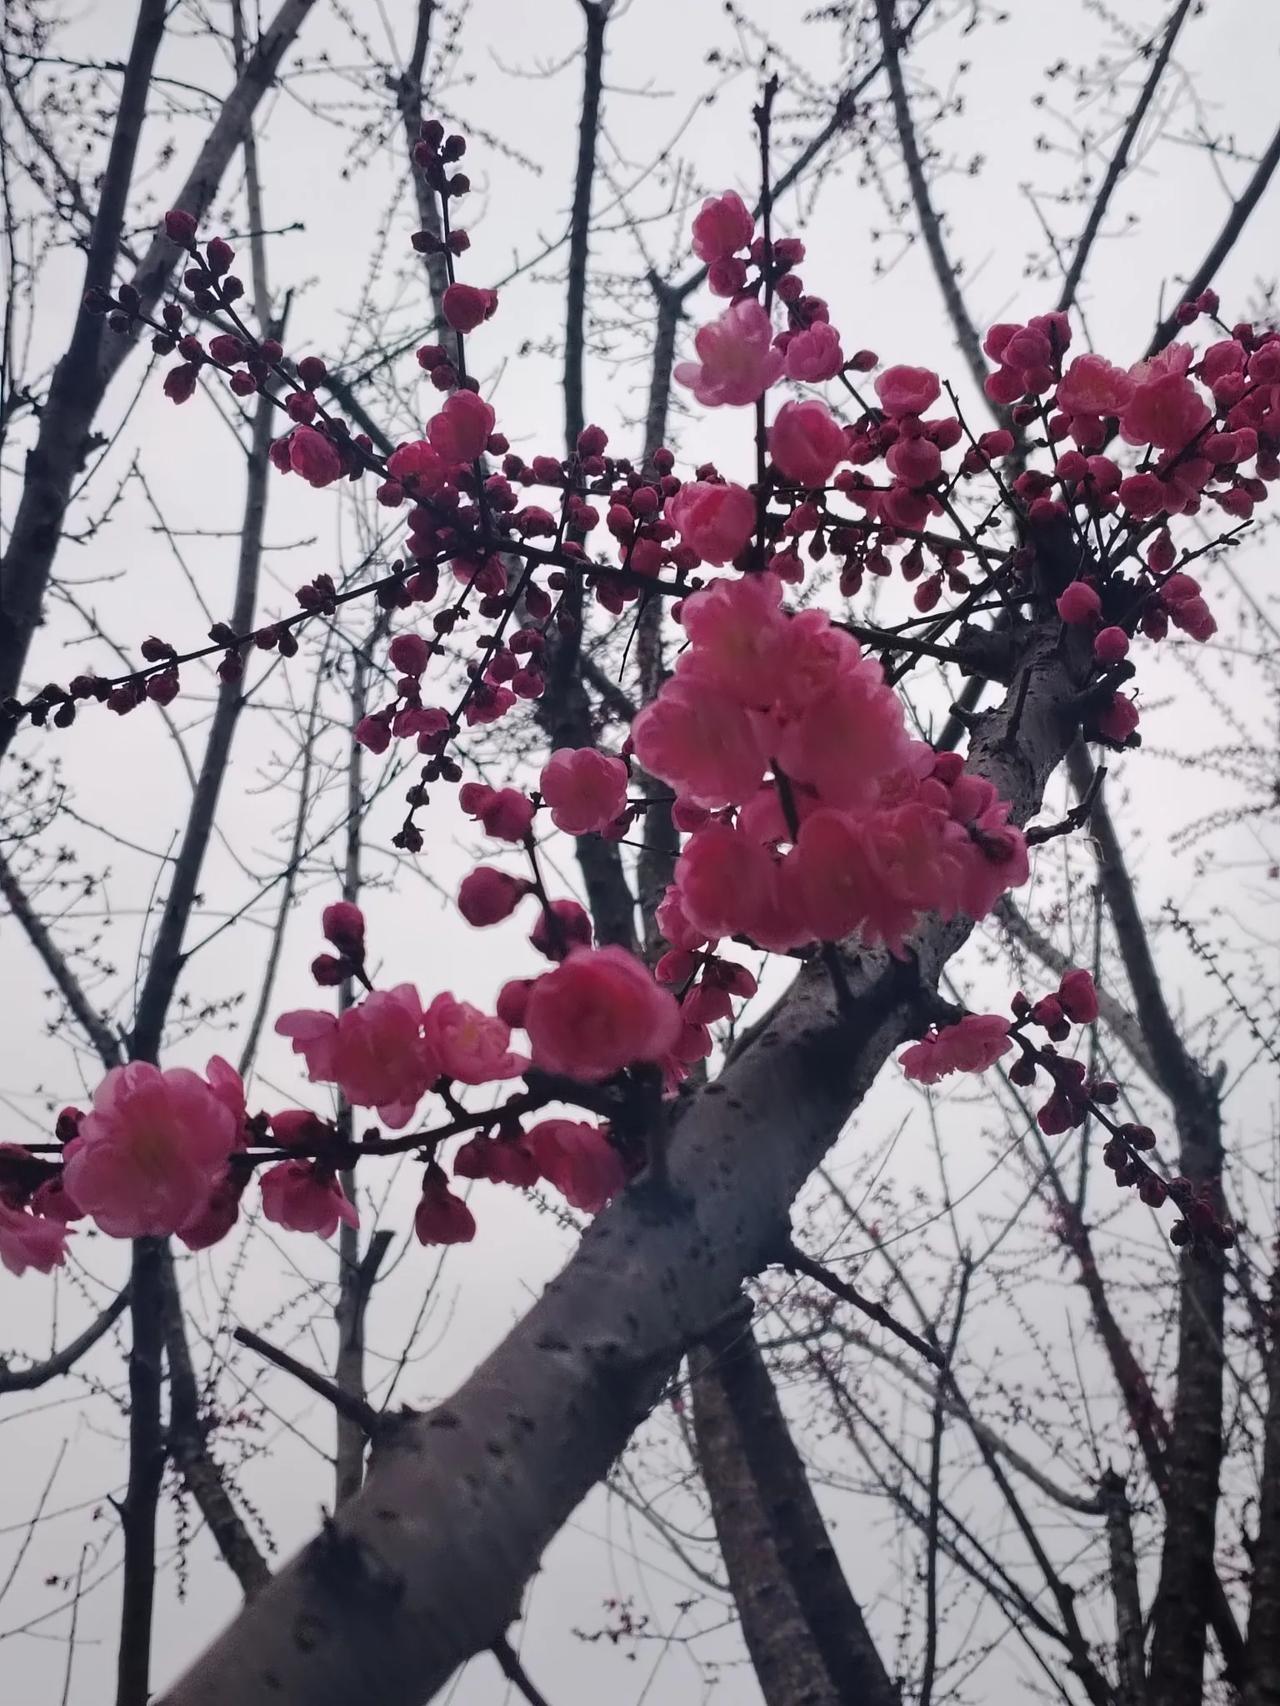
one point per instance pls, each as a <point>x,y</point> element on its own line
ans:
<point>810,813</point>
<point>977,1040</point>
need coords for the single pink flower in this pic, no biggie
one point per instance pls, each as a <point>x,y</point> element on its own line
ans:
<point>596,1013</point>
<point>375,1052</point>
<point>907,390</point>
<point>313,456</point>
<point>916,462</point>
<point>1093,386</point>
<point>738,637</point>
<point>442,1218</point>
<point>30,1240</point>
<point>706,746</point>
<point>586,789</point>
<point>467,306</point>
<point>304,1197</point>
<point>148,1155</point>
<point>460,432</point>
<point>1167,411</point>
<point>1079,605</point>
<point>976,1042</point>
<point>716,521</point>
<point>579,1161</point>
<point>469,1045</point>
<point>723,225</point>
<point>806,442</point>
<point>505,1160</point>
<point>737,362</point>
<point>847,738</point>
<point>1078,997</point>
<point>814,354</point>
<point>487,896</point>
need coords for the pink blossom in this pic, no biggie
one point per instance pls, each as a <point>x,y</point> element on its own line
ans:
<point>806,442</point>
<point>467,306</point>
<point>561,927</point>
<point>30,1240</point>
<point>1144,496</point>
<point>313,456</point>
<point>847,737</point>
<point>409,653</point>
<point>305,1196</point>
<point>375,1052</point>
<point>1118,720</point>
<point>147,1157</point>
<point>814,354</point>
<point>729,884</point>
<point>487,896</point>
<point>716,521</point>
<point>461,430</point>
<point>586,789</point>
<point>441,1217</point>
<point>738,639</point>
<point>505,1160</point>
<point>723,225</point>
<point>598,1012</point>
<point>469,1045</point>
<point>506,813</point>
<point>737,362</point>
<point>1110,646</point>
<point>1093,386</point>
<point>1079,604</point>
<point>706,747</point>
<point>976,1042</point>
<point>675,925</point>
<point>579,1161</point>
<point>907,390</point>
<point>830,875</point>
<point>1165,410</point>
<point>1078,996</point>
<point>915,461</point>
<point>343,925</point>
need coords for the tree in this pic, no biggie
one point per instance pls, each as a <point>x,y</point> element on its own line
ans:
<point>1067,567</point>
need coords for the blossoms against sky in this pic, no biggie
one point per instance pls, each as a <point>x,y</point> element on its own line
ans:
<point>809,813</point>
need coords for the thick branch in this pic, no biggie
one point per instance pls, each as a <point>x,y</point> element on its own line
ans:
<point>832,1615</point>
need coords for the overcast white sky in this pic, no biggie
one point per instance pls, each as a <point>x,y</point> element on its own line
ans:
<point>518,77</point>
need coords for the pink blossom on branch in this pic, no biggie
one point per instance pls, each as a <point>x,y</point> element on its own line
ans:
<point>716,521</point>
<point>723,225</point>
<point>375,1052</point>
<point>974,1043</point>
<point>302,1196</point>
<point>737,362</point>
<point>586,789</point>
<point>596,1013</point>
<point>579,1161</point>
<point>151,1150</point>
<point>30,1240</point>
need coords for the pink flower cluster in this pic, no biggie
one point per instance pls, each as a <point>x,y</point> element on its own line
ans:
<point>813,814</point>
<point>388,1051</point>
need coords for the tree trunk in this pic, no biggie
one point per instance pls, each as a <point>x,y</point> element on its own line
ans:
<point>777,1636</point>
